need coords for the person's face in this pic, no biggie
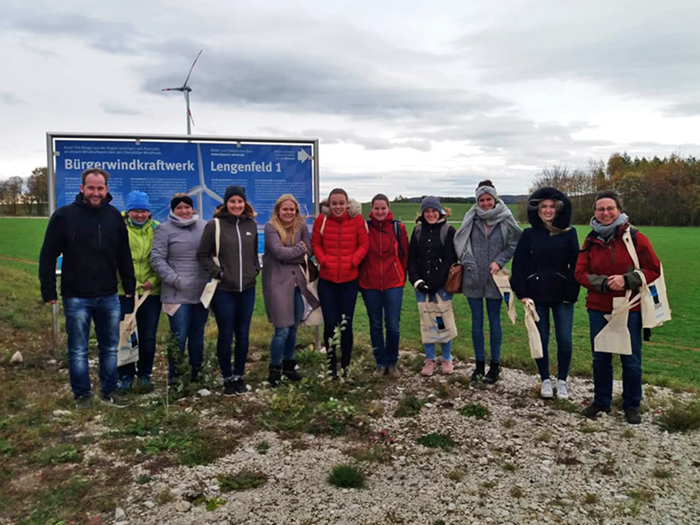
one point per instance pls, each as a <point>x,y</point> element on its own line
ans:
<point>183,210</point>
<point>94,190</point>
<point>486,202</point>
<point>431,215</point>
<point>139,216</point>
<point>288,212</point>
<point>339,204</point>
<point>606,211</point>
<point>380,209</point>
<point>235,206</point>
<point>548,210</point>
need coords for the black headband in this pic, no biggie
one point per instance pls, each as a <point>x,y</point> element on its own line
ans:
<point>177,200</point>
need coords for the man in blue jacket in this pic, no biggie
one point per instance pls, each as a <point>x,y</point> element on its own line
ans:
<point>94,242</point>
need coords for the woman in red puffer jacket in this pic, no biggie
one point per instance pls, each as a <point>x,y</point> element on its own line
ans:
<point>382,279</point>
<point>340,242</point>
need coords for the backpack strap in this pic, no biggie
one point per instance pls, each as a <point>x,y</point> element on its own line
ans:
<point>443,232</point>
<point>323,225</point>
<point>397,234</point>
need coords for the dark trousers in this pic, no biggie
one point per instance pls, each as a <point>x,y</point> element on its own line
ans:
<point>563,315</point>
<point>147,324</point>
<point>187,325</point>
<point>233,312</point>
<point>338,303</point>
<point>631,364</point>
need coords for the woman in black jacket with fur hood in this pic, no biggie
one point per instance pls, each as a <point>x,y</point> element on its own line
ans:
<point>543,270</point>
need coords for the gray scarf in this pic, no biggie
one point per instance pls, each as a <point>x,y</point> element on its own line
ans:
<point>500,214</point>
<point>607,232</point>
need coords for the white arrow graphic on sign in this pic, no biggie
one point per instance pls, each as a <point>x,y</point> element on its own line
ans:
<point>303,156</point>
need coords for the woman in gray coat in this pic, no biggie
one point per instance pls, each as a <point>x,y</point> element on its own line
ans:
<point>484,244</point>
<point>174,258</point>
<point>287,242</point>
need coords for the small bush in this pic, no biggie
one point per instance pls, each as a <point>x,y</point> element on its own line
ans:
<point>475,410</point>
<point>643,496</point>
<point>510,467</point>
<point>661,473</point>
<point>262,447</point>
<point>437,440</point>
<point>627,434</point>
<point>142,480</point>
<point>347,477</point>
<point>508,423</point>
<point>516,492</point>
<point>455,475</point>
<point>565,405</point>
<point>57,455</point>
<point>588,429</point>
<point>409,406</point>
<point>681,417</point>
<point>244,480</point>
<point>591,499</point>
<point>544,437</point>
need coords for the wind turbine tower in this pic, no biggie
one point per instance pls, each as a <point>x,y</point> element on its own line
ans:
<point>185,89</point>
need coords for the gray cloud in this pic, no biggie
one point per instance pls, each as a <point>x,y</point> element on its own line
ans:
<point>115,108</point>
<point>10,98</point>
<point>688,109</point>
<point>370,143</point>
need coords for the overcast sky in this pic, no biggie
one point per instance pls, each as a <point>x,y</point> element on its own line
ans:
<point>406,97</point>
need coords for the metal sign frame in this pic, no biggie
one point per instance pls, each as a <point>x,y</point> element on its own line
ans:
<point>51,137</point>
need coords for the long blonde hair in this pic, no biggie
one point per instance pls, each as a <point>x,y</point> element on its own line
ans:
<point>287,234</point>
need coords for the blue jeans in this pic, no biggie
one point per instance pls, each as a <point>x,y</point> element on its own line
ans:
<point>430,347</point>
<point>563,315</point>
<point>493,309</point>
<point>147,319</point>
<point>284,340</point>
<point>79,312</point>
<point>338,300</point>
<point>631,364</point>
<point>187,324</point>
<point>233,312</point>
<point>384,307</point>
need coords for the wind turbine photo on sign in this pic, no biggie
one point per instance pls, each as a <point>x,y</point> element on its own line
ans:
<point>198,191</point>
<point>185,89</point>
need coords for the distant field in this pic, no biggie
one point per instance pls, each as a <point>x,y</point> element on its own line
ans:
<point>408,211</point>
<point>672,356</point>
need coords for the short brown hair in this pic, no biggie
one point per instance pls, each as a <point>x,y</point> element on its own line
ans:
<point>381,197</point>
<point>94,171</point>
<point>338,191</point>
<point>608,194</point>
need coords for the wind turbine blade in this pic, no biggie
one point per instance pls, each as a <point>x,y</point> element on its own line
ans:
<point>173,89</point>
<point>193,64</point>
<point>213,195</point>
<point>189,113</point>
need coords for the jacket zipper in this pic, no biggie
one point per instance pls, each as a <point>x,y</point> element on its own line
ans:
<point>240,257</point>
<point>339,229</point>
<point>99,234</point>
<point>381,259</point>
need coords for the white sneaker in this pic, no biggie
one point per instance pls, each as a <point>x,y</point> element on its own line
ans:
<point>562,391</point>
<point>546,389</point>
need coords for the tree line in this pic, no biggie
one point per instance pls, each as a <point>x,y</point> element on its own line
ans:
<point>656,192</point>
<point>25,196</point>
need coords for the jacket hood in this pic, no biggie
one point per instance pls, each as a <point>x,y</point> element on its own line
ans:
<point>354,208</point>
<point>563,217</point>
<point>80,201</point>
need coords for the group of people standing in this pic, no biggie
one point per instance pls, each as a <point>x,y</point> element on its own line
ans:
<point>174,261</point>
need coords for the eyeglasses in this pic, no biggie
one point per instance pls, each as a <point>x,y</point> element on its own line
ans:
<point>608,209</point>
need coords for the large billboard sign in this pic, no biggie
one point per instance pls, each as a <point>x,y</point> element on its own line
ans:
<point>200,166</point>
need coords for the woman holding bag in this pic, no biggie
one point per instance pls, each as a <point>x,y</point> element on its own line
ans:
<point>382,279</point>
<point>485,243</point>
<point>607,270</point>
<point>339,243</point>
<point>141,228</point>
<point>287,249</point>
<point>543,270</point>
<point>234,298</point>
<point>430,255</point>
<point>174,258</point>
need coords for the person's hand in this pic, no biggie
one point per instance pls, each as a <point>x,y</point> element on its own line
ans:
<point>147,285</point>
<point>616,283</point>
<point>52,301</point>
<point>304,245</point>
<point>494,267</point>
<point>524,300</point>
<point>424,288</point>
<point>128,296</point>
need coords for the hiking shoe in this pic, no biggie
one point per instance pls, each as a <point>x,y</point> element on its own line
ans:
<point>379,371</point>
<point>83,402</point>
<point>115,400</point>
<point>239,387</point>
<point>493,374</point>
<point>633,417</point>
<point>145,385</point>
<point>478,372</point>
<point>274,376</point>
<point>447,367</point>
<point>546,389</point>
<point>393,371</point>
<point>289,369</point>
<point>124,383</point>
<point>428,368</point>
<point>592,410</point>
<point>229,388</point>
<point>562,390</point>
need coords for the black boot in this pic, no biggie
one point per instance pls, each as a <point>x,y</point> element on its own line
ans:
<point>275,375</point>
<point>478,371</point>
<point>494,371</point>
<point>289,369</point>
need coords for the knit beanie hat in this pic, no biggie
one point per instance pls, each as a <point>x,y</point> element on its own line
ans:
<point>177,200</point>
<point>431,202</point>
<point>137,200</point>
<point>486,189</point>
<point>233,191</point>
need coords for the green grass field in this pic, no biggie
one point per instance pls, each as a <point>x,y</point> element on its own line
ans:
<point>671,358</point>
